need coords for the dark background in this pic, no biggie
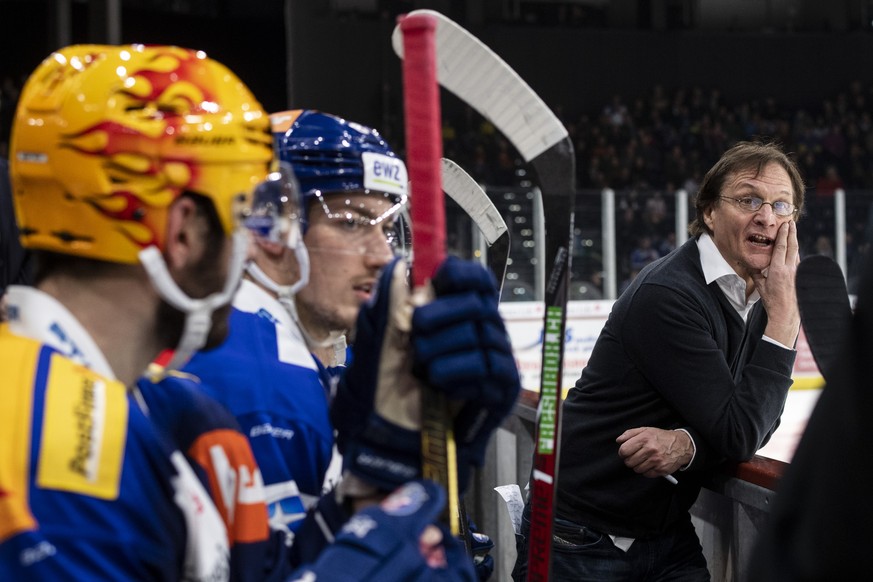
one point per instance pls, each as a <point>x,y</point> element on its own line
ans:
<point>335,54</point>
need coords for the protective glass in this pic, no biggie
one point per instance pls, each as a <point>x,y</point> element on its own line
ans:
<point>274,214</point>
<point>379,225</point>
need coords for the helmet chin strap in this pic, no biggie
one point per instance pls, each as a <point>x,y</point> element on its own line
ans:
<point>285,295</point>
<point>198,312</point>
<point>283,292</point>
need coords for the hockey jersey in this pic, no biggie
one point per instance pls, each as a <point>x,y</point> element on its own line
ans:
<point>264,374</point>
<point>89,488</point>
<point>220,454</point>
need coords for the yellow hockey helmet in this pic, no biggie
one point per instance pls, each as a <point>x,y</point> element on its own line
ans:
<point>106,137</point>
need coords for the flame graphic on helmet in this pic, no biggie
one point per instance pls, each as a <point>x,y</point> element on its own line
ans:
<point>106,138</point>
<point>164,94</point>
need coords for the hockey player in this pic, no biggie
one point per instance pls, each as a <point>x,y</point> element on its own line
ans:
<point>354,191</point>
<point>271,371</point>
<point>339,164</point>
<point>126,163</point>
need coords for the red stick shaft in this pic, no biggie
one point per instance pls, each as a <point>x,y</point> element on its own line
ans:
<point>424,146</point>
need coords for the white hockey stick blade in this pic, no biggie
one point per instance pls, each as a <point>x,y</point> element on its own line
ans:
<point>464,190</point>
<point>467,193</point>
<point>473,72</point>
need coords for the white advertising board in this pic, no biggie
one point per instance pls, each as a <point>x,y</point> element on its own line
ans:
<point>585,319</point>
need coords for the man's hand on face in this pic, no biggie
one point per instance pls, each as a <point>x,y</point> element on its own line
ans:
<point>776,283</point>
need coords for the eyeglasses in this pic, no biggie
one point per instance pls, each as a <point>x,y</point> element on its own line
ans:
<point>754,204</point>
<point>364,234</point>
<point>357,226</point>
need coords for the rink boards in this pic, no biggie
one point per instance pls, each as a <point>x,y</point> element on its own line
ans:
<point>584,321</point>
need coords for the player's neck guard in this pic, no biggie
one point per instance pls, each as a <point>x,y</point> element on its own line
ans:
<point>198,312</point>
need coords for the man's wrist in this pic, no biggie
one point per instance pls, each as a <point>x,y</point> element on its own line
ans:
<point>692,446</point>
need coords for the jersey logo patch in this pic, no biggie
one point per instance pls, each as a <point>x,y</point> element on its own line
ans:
<point>406,500</point>
<point>83,432</point>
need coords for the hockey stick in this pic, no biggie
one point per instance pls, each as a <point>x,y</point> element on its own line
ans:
<point>470,70</point>
<point>824,309</point>
<point>467,193</point>
<point>423,152</point>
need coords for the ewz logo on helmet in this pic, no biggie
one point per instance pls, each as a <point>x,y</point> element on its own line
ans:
<point>384,173</point>
<point>388,171</point>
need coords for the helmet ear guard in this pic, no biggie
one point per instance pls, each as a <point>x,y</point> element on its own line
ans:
<point>274,213</point>
<point>274,219</point>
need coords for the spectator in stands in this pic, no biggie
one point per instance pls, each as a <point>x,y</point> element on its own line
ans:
<point>667,244</point>
<point>690,126</point>
<point>643,254</point>
<point>655,215</point>
<point>823,246</point>
<point>829,183</point>
<point>588,290</point>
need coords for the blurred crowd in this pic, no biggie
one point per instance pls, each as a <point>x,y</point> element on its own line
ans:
<point>647,147</point>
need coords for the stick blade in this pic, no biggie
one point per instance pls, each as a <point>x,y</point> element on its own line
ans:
<point>470,196</point>
<point>825,311</point>
<point>473,72</point>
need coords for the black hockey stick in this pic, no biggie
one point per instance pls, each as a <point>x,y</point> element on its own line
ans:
<point>824,309</point>
<point>470,196</point>
<point>470,70</point>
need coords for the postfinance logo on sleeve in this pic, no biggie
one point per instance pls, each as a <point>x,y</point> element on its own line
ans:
<point>83,431</point>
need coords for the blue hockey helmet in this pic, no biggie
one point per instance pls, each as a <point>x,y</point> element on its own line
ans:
<point>330,154</point>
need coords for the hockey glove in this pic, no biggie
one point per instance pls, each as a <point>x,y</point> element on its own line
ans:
<point>384,542</point>
<point>461,348</point>
<point>480,547</point>
<point>377,408</point>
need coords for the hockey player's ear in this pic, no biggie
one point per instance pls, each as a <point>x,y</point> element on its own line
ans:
<point>187,234</point>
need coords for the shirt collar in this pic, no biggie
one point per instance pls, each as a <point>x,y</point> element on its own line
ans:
<point>39,316</point>
<point>716,268</point>
<point>252,298</point>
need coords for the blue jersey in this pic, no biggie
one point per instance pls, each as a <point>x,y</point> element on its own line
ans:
<point>90,489</point>
<point>209,436</point>
<point>87,484</point>
<point>268,379</point>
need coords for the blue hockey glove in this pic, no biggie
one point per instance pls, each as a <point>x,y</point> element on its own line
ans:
<point>384,542</point>
<point>460,347</point>
<point>480,547</point>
